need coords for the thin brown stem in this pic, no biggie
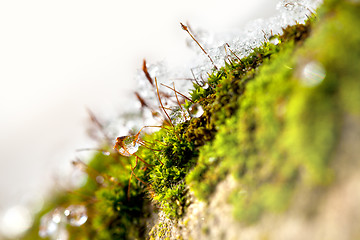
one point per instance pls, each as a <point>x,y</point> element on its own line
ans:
<point>178,93</point>
<point>185,79</point>
<point>187,30</point>
<point>91,171</point>
<point>142,160</point>
<point>128,192</point>
<point>87,199</point>
<point>158,159</point>
<point>192,72</point>
<point>141,100</point>
<point>160,142</point>
<point>146,145</point>
<point>177,99</point>
<point>157,90</point>
<point>234,54</point>
<point>132,169</point>
<point>93,149</point>
<point>133,173</point>
<point>147,75</point>
<point>162,106</point>
<point>94,119</point>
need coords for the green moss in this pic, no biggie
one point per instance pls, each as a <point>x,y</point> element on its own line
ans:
<point>261,124</point>
<point>284,132</point>
<point>243,145</point>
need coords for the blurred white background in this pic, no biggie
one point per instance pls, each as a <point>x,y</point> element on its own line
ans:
<point>58,57</point>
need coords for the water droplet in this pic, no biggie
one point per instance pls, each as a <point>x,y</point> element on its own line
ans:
<point>313,73</point>
<point>61,234</point>
<point>178,115</point>
<point>274,40</point>
<point>57,215</point>
<point>212,159</point>
<point>127,145</point>
<point>205,86</point>
<point>48,227</point>
<point>53,225</point>
<point>106,153</point>
<point>100,179</point>
<point>196,110</point>
<point>76,215</point>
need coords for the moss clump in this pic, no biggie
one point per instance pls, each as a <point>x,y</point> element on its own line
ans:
<point>285,131</point>
<point>219,100</point>
<point>262,123</point>
<point>233,98</point>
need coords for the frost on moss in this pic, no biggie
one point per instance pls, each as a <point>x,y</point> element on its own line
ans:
<point>262,123</point>
<point>285,131</point>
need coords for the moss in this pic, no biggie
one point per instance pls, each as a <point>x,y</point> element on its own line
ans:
<point>226,144</point>
<point>261,124</point>
<point>284,132</point>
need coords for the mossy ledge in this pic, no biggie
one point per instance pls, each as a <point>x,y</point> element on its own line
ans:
<point>273,156</point>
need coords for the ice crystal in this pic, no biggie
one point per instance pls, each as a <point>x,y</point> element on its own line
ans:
<point>254,34</point>
<point>178,115</point>
<point>76,215</point>
<point>240,42</point>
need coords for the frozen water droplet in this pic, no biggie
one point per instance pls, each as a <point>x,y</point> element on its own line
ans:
<point>47,226</point>
<point>274,40</point>
<point>50,223</point>
<point>212,159</point>
<point>196,110</point>
<point>76,215</point>
<point>100,179</point>
<point>312,74</point>
<point>127,145</point>
<point>206,86</point>
<point>62,234</point>
<point>57,215</point>
<point>178,115</point>
<point>106,153</point>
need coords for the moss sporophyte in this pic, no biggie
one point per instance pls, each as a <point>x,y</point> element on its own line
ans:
<point>252,119</point>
